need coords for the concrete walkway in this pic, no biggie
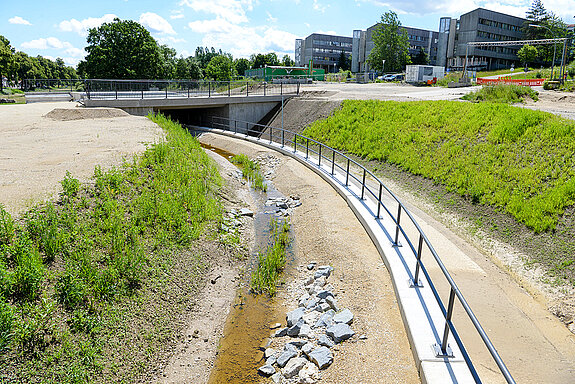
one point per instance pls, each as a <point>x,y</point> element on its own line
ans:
<point>536,347</point>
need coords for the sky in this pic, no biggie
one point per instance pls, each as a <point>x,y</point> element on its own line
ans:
<point>58,28</point>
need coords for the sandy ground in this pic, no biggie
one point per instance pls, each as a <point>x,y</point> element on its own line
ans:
<point>363,283</point>
<point>36,151</point>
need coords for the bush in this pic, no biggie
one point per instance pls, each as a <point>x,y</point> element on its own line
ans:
<point>502,93</point>
<point>70,187</point>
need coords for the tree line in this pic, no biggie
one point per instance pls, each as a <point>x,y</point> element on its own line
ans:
<point>124,49</point>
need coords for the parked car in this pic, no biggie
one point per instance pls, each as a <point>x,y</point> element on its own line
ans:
<point>392,77</point>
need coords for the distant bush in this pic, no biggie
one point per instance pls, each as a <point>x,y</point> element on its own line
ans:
<point>502,93</point>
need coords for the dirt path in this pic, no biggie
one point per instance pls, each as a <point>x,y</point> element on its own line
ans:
<point>36,151</point>
<point>327,231</point>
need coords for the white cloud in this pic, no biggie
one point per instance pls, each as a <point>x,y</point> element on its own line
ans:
<point>270,18</point>
<point>18,20</point>
<point>170,39</point>
<point>156,23</point>
<point>81,27</point>
<point>319,7</point>
<point>54,43</point>
<point>233,11</point>
<point>177,16</point>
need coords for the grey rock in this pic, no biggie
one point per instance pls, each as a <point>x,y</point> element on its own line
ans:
<point>344,316</point>
<point>271,360</point>
<point>294,316</point>
<point>303,299</point>
<point>311,317</point>
<point>340,332</point>
<point>277,377</point>
<point>311,265</point>
<point>275,326</point>
<point>282,205</point>
<point>281,332</point>
<point>322,357</point>
<point>332,302</point>
<point>298,343</point>
<point>309,281</point>
<point>324,294</point>
<point>326,341</point>
<point>325,320</point>
<point>309,374</point>
<point>307,348</point>
<point>269,352</point>
<point>293,367</point>
<point>288,352</point>
<point>294,330</point>
<point>305,331</point>
<point>312,302</point>
<point>321,281</point>
<point>246,212</point>
<point>363,337</point>
<point>323,307</point>
<point>324,270</point>
<point>267,370</point>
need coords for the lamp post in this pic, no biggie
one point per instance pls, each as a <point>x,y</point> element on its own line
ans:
<point>554,46</point>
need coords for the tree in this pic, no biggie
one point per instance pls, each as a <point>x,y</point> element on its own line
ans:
<point>390,44</point>
<point>7,62</point>
<point>220,68</point>
<point>537,12</point>
<point>421,58</point>
<point>287,61</point>
<point>122,50</point>
<point>260,60</point>
<point>168,56</point>
<point>527,54</point>
<point>344,62</point>
<point>241,65</point>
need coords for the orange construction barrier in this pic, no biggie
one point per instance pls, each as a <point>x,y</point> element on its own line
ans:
<point>508,80</point>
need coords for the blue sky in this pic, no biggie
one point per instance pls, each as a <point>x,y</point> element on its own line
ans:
<point>58,28</point>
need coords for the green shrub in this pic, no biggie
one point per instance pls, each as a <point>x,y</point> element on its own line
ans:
<point>70,186</point>
<point>502,93</point>
<point>271,262</point>
<point>28,276</point>
<point>70,290</point>
<point>251,171</point>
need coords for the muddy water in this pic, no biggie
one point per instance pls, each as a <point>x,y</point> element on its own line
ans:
<point>240,353</point>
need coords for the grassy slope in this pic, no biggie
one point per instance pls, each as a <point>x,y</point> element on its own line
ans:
<point>84,282</point>
<point>518,159</point>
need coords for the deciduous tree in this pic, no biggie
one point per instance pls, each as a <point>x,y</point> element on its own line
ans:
<point>390,44</point>
<point>220,68</point>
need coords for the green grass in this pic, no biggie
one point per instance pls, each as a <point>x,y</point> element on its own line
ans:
<point>84,281</point>
<point>502,93</point>
<point>272,262</point>
<point>515,159</point>
<point>250,171</point>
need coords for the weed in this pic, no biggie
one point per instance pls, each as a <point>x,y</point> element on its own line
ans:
<point>272,262</point>
<point>70,187</point>
<point>6,227</point>
<point>6,321</point>
<point>502,93</point>
<point>251,171</point>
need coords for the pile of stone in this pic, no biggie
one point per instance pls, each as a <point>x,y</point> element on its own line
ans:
<point>269,162</point>
<point>312,330</point>
<point>7,101</point>
<point>284,205</point>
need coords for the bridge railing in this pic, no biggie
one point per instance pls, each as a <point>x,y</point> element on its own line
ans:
<point>170,89</point>
<point>367,186</point>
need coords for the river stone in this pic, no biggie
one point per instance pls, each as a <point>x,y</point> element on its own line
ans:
<point>281,332</point>
<point>307,348</point>
<point>309,281</point>
<point>311,317</point>
<point>294,330</point>
<point>303,299</point>
<point>246,212</point>
<point>269,352</point>
<point>312,302</point>
<point>298,343</point>
<point>321,281</point>
<point>323,307</point>
<point>323,270</point>
<point>267,370</point>
<point>288,352</point>
<point>340,332</point>
<point>294,316</point>
<point>344,316</point>
<point>322,357</point>
<point>309,374</point>
<point>271,360</point>
<point>293,367</point>
<point>325,320</point>
<point>323,294</point>
<point>277,377</point>
<point>305,331</point>
<point>326,341</point>
<point>311,265</point>
<point>332,302</point>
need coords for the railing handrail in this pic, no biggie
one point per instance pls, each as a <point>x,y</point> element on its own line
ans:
<point>454,292</point>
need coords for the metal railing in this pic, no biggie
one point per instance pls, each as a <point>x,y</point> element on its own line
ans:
<point>332,161</point>
<point>170,89</point>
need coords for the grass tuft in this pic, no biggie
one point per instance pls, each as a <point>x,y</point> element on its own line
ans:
<point>251,171</point>
<point>272,262</point>
<point>502,93</point>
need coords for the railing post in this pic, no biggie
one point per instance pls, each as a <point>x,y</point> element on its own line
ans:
<point>229,88</point>
<point>333,163</point>
<point>379,199</point>
<point>319,159</point>
<point>209,89</point>
<point>116,93</point>
<point>297,93</point>
<point>295,143</point>
<point>167,90</point>
<point>415,282</point>
<point>247,88</point>
<point>271,133</point>
<point>188,89</point>
<point>396,241</point>
<point>363,184</point>
<point>235,126</point>
<point>281,88</point>
<point>444,350</point>
<point>307,148</point>
<point>142,94</point>
<point>264,88</point>
<point>347,174</point>
<point>283,138</point>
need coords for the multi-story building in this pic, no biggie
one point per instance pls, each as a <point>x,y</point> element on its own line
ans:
<point>324,50</point>
<point>418,38</point>
<point>479,25</point>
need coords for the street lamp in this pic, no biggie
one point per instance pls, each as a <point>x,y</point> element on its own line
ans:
<point>554,46</point>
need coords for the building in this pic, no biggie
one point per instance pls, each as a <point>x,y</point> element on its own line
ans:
<point>324,50</point>
<point>479,25</point>
<point>418,38</point>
